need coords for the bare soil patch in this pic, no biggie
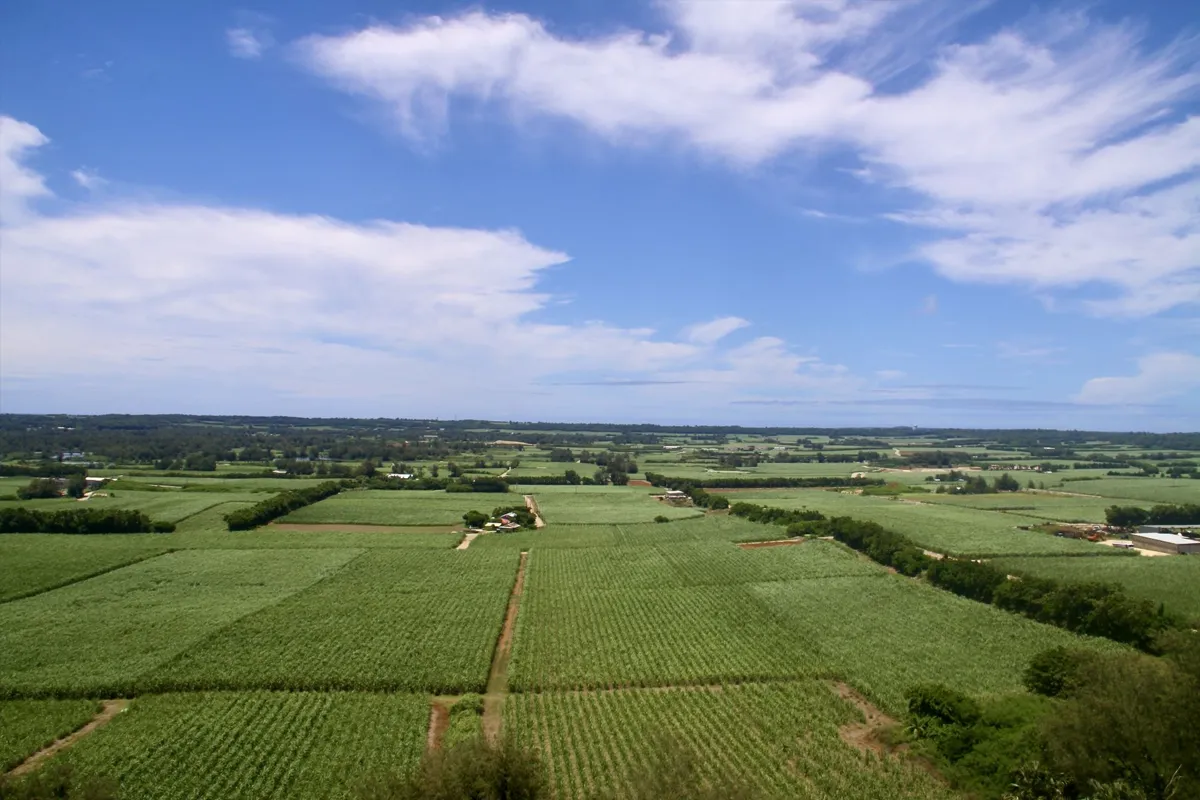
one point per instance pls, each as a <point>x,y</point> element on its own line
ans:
<point>864,736</point>
<point>497,685</point>
<point>107,713</point>
<point>439,722</point>
<point>772,543</point>
<point>319,527</point>
<point>640,483</point>
<point>466,542</point>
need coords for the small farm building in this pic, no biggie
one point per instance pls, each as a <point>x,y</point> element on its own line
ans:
<point>675,494</point>
<point>1166,542</point>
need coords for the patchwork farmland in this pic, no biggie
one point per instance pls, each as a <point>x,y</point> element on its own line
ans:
<point>344,640</point>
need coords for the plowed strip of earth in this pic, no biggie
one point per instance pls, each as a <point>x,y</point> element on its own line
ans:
<point>111,709</point>
<point>497,685</point>
<point>439,721</point>
<point>771,543</point>
<point>318,527</point>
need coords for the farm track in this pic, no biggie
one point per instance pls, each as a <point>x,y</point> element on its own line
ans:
<point>89,576</point>
<point>439,722</point>
<point>531,504</point>
<point>107,713</point>
<point>771,543</point>
<point>497,685</point>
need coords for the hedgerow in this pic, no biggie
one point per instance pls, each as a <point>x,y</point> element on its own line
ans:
<point>80,520</point>
<point>274,507</point>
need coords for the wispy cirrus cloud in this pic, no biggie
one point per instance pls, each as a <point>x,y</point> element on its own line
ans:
<point>1056,154</point>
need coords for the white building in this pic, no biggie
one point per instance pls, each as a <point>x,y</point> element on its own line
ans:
<point>1166,542</point>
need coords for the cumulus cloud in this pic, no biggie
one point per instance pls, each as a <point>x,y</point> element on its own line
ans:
<point>1160,376</point>
<point>155,295</point>
<point>88,179</point>
<point>1054,155</point>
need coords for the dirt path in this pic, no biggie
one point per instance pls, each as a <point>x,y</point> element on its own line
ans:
<point>439,722</point>
<point>531,504</point>
<point>863,736</point>
<point>318,527</point>
<point>770,543</point>
<point>497,685</point>
<point>466,542</point>
<point>111,709</point>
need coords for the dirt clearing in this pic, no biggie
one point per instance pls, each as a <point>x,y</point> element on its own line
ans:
<point>640,483</point>
<point>111,709</point>
<point>466,542</point>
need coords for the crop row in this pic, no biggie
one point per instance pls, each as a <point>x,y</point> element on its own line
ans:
<point>393,620</point>
<point>780,739</point>
<point>254,744</point>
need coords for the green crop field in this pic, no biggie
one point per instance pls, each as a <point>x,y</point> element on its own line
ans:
<point>26,726</point>
<point>1039,505</point>
<point>888,633</point>
<point>1173,581</point>
<point>101,634</point>
<point>578,505</point>
<point>392,620</point>
<point>35,562</point>
<point>297,662</point>
<point>255,745</point>
<point>398,507</point>
<point>1148,490</point>
<point>937,527</point>
<point>595,741</point>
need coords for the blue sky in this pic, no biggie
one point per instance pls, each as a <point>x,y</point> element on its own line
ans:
<point>806,212</point>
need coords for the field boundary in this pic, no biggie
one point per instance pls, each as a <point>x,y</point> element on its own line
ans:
<point>88,576</point>
<point>106,715</point>
<point>497,684</point>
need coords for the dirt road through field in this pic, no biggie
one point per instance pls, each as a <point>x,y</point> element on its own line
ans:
<point>497,685</point>
<point>531,504</point>
<point>107,713</point>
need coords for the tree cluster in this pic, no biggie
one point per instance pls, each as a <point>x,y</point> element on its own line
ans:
<point>1165,514</point>
<point>283,503</point>
<point>80,520</point>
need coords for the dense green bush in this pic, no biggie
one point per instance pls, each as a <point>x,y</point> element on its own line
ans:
<point>79,520</point>
<point>1052,671</point>
<point>40,489</point>
<point>57,782</point>
<point>472,770</point>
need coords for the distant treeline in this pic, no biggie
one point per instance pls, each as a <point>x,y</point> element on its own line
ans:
<point>1167,514</point>
<point>682,484</point>
<point>48,469</point>
<point>80,520</point>
<point>1094,609</point>
<point>487,483</point>
<point>283,503</point>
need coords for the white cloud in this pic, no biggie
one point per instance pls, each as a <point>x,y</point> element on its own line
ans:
<point>717,329</point>
<point>247,43</point>
<point>1053,155</point>
<point>18,183</point>
<point>1160,376</point>
<point>88,179</point>
<point>437,320</point>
